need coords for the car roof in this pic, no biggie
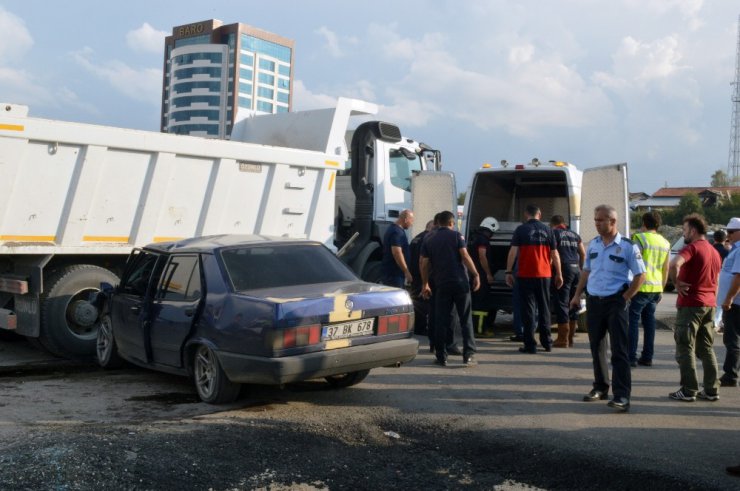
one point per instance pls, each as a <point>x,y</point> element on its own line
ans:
<point>210,243</point>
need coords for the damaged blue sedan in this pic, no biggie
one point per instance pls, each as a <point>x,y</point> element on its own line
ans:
<point>227,310</point>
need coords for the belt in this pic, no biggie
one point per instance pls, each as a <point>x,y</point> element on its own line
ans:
<point>608,297</point>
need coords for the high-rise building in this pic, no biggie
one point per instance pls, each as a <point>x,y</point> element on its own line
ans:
<point>215,74</point>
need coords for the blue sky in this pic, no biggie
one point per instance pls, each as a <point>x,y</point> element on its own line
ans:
<point>592,82</point>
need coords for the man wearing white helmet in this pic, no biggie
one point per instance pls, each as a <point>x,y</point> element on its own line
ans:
<point>480,252</point>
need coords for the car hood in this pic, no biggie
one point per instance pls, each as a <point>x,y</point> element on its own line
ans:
<point>333,302</point>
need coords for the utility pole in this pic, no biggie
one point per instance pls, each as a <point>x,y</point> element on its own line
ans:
<point>733,163</point>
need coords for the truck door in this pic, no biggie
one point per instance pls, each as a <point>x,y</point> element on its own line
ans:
<point>175,308</point>
<point>130,306</point>
<point>606,185</point>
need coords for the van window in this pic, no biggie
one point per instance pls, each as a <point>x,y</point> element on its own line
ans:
<point>505,195</point>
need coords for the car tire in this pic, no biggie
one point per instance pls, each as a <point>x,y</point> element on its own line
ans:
<point>63,332</point>
<point>347,379</point>
<point>373,272</point>
<point>211,383</point>
<point>106,350</point>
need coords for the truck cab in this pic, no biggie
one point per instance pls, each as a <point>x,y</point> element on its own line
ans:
<point>375,186</point>
<point>557,188</point>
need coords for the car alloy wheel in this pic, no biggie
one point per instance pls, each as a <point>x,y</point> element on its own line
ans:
<point>210,380</point>
<point>105,345</point>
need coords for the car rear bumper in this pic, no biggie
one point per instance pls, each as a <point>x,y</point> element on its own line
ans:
<point>250,369</point>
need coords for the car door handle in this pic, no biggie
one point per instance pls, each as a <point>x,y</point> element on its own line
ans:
<point>189,312</point>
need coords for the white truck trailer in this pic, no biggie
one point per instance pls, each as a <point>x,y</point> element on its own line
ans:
<point>557,188</point>
<point>76,198</point>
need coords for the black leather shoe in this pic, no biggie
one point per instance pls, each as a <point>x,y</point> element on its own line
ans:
<point>470,360</point>
<point>517,339</point>
<point>621,404</point>
<point>595,395</point>
<point>440,361</point>
<point>547,348</point>
<point>525,350</point>
<point>454,350</point>
<point>727,383</point>
<point>645,363</point>
<point>633,363</point>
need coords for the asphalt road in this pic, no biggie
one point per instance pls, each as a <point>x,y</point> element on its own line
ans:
<point>515,421</point>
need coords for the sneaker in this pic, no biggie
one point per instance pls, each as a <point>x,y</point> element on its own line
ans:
<point>516,339</point>
<point>707,397</point>
<point>644,363</point>
<point>470,361</point>
<point>680,396</point>
<point>440,361</point>
<point>727,383</point>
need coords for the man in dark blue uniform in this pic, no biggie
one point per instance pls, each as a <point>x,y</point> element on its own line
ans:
<point>396,252</point>
<point>444,259</point>
<point>612,275</point>
<point>479,249</point>
<point>572,255</point>
<point>421,304</point>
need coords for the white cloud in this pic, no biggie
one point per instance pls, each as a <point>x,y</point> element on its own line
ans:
<point>17,84</point>
<point>144,84</point>
<point>146,39</point>
<point>522,53</point>
<point>13,28</point>
<point>304,99</point>
<point>521,90</point>
<point>648,66</point>
<point>332,43</point>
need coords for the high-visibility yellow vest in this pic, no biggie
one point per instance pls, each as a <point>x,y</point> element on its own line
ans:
<point>655,250</point>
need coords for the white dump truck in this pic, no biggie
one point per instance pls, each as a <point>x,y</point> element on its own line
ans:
<point>76,198</point>
<point>557,188</point>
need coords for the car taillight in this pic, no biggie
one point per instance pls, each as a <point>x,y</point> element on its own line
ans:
<point>296,337</point>
<point>392,324</point>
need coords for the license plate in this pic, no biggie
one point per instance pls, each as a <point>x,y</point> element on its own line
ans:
<point>352,329</point>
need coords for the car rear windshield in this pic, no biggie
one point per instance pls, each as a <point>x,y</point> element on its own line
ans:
<point>273,266</point>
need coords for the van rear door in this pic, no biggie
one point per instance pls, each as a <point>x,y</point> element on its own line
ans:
<point>604,185</point>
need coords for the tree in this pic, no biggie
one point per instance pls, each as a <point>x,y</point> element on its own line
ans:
<point>720,179</point>
<point>461,198</point>
<point>690,203</point>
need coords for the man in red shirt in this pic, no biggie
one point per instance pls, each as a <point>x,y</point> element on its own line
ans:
<point>534,249</point>
<point>694,271</point>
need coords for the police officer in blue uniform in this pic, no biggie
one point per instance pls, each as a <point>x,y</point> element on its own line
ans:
<point>612,275</point>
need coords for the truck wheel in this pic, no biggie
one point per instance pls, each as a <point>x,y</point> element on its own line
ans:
<point>68,321</point>
<point>105,348</point>
<point>211,383</point>
<point>372,272</point>
<point>347,379</point>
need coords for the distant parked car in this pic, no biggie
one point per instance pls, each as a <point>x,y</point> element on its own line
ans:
<point>228,310</point>
<point>677,246</point>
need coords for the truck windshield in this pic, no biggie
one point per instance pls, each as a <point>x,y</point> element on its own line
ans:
<point>403,163</point>
<point>278,265</point>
